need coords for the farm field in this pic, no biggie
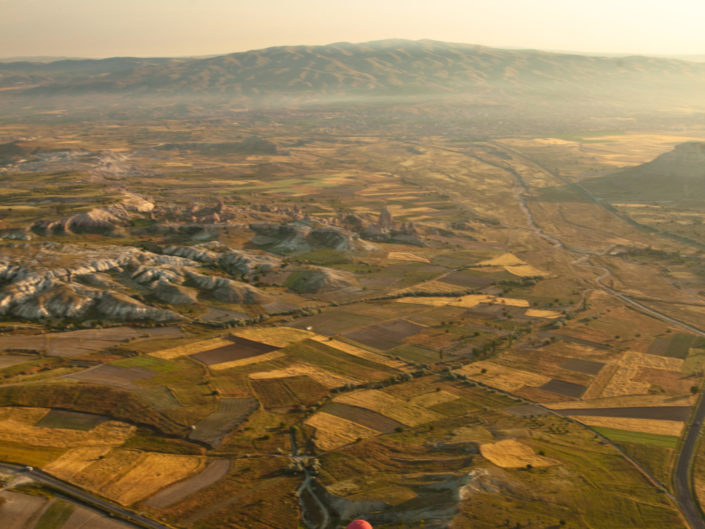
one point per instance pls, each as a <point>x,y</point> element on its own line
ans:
<point>430,327</point>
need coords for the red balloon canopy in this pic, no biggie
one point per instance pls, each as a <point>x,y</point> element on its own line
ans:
<point>359,524</point>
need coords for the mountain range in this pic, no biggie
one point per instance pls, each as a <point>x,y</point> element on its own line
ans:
<point>395,68</point>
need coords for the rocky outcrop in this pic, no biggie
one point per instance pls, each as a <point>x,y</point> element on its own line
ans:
<point>119,307</point>
<point>235,262</point>
<point>58,301</point>
<point>98,220</point>
<point>388,231</point>
<point>14,234</point>
<point>109,220</point>
<point>41,289</point>
<point>175,294</point>
<point>295,237</point>
<point>281,238</point>
<point>227,290</point>
<point>330,237</point>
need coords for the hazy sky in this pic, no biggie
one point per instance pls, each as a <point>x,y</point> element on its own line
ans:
<point>100,28</point>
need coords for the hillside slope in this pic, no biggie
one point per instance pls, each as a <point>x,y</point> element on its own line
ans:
<point>674,176</point>
<point>384,68</point>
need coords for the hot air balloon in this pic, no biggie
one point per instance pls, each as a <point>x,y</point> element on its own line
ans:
<point>359,524</point>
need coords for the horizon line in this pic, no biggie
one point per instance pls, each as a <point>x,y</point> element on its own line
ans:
<point>692,57</point>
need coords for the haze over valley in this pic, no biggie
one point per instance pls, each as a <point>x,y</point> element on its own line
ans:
<point>419,283</point>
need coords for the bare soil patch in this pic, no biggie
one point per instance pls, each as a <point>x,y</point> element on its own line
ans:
<point>84,518</point>
<point>581,341</point>
<point>672,382</point>
<point>335,321</point>
<point>468,279</point>
<point>71,420</point>
<point>239,349</point>
<point>215,471</point>
<point>231,413</point>
<point>589,367</point>
<point>288,391</point>
<point>9,360</point>
<point>659,346</point>
<point>367,418</point>
<point>386,335</point>
<point>562,387</point>
<point>17,510</point>
<point>85,341</point>
<point>663,413</point>
<point>526,410</point>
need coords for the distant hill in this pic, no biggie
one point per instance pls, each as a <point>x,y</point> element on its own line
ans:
<point>674,176</point>
<point>394,68</point>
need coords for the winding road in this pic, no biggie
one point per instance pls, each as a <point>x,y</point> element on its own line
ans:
<point>682,477</point>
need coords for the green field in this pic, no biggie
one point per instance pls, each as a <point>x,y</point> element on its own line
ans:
<point>623,436</point>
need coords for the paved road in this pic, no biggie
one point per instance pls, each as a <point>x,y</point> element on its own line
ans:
<point>85,497</point>
<point>681,476</point>
<point>684,493</point>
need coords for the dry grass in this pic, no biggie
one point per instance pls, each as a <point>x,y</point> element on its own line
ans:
<point>467,302</point>
<point>406,256</point>
<point>427,400</point>
<point>502,377</point>
<point>433,286</point>
<point>267,357</point>
<point>191,348</point>
<point>74,461</point>
<point>600,382</point>
<point>525,270</point>
<point>20,511</point>
<point>326,378</point>
<point>274,336</point>
<point>18,424</point>
<point>537,313</point>
<point>506,259</point>
<point>634,358</point>
<point>629,401</point>
<point>622,383</point>
<point>359,352</point>
<point>389,406</point>
<point>513,454</point>
<point>99,474</point>
<point>653,426</point>
<point>333,432</point>
<point>471,434</point>
<point>152,473</point>
<point>625,376</point>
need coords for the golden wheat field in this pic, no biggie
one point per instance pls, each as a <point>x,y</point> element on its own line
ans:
<point>509,453</point>
<point>333,432</point>
<point>392,407</point>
